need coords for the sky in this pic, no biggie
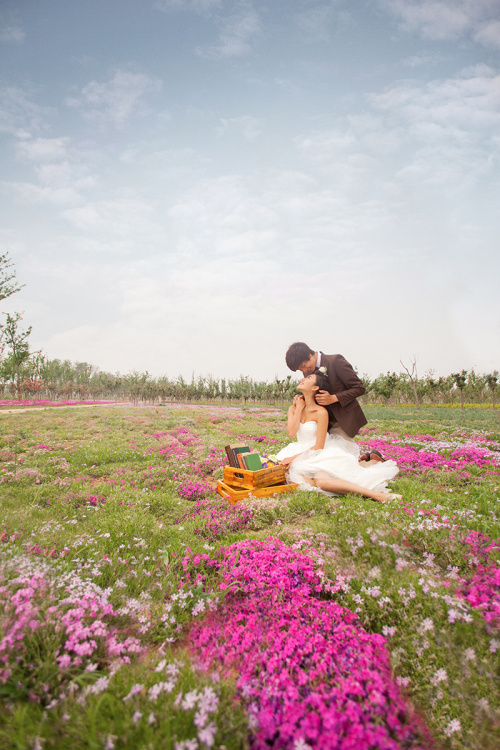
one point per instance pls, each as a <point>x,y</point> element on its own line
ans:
<point>189,186</point>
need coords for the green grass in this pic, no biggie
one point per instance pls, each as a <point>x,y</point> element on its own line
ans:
<point>113,456</point>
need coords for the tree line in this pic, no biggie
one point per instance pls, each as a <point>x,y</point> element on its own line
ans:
<point>30,375</point>
<point>54,379</point>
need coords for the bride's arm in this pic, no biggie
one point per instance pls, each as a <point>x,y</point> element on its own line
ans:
<point>294,415</point>
<point>322,430</point>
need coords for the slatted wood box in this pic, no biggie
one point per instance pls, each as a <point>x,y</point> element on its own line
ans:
<point>235,494</point>
<point>252,480</point>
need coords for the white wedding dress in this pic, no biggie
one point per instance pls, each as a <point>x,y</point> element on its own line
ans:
<point>336,459</point>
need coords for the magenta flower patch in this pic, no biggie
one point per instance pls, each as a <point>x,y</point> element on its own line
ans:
<point>216,519</point>
<point>308,674</point>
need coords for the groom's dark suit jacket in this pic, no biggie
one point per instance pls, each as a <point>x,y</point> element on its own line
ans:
<point>346,385</point>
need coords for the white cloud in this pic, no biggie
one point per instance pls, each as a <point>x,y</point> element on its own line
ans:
<point>315,20</point>
<point>448,19</point>
<point>120,225</point>
<point>470,102</point>
<point>237,31</point>
<point>11,33</point>
<point>489,34</point>
<point>19,116</point>
<point>417,61</point>
<point>43,149</point>
<point>250,127</point>
<point>60,167</point>
<point>57,196</point>
<point>192,6</point>
<point>442,132</point>
<point>116,100</point>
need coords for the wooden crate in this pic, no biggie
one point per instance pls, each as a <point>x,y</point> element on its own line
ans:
<point>251,480</point>
<point>235,494</point>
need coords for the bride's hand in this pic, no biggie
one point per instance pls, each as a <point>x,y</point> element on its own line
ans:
<point>286,461</point>
<point>299,402</point>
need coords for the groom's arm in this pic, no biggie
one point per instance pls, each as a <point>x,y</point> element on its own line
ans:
<point>351,386</point>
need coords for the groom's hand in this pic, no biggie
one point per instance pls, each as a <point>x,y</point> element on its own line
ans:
<point>323,398</point>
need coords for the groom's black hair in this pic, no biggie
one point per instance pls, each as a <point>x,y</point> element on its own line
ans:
<point>297,354</point>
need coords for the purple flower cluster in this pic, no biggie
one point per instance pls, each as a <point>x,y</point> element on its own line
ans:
<point>44,402</point>
<point>193,489</point>
<point>34,616</point>
<point>218,518</point>
<point>206,467</point>
<point>447,454</point>
<point>308,674</point>
<point>483,593</point>
<point>80,500</point>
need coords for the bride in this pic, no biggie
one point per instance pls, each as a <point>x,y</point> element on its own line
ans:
<point>318,459</point>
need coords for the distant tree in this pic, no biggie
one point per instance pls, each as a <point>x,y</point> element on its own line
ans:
<point>431,386</point>
<point>16,341</point>
<point>492,382</point>
<point>385,385</point>
<point>367,382</point>
<point>413,379</point>
<point>475,387</point>
<point>460,381</point>
<point>8,282</point>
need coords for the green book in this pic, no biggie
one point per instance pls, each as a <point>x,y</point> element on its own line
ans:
<point>239,449</point>
<point>252,461</point>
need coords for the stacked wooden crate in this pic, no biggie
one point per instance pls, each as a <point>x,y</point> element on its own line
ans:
<point>239,483</point>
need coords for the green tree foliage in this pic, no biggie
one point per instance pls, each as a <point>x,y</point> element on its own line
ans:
<point>16,341</point>
<point>460,381</point>
<point>8,281</point>
<point>492,383</point>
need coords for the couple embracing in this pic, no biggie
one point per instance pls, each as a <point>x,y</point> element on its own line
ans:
<point>324,420</point>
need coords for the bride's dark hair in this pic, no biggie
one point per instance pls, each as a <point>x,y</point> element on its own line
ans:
<point>322,381</point>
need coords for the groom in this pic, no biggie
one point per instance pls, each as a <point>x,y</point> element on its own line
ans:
<point>345,414</point>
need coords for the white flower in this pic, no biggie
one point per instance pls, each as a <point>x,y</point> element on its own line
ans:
<point>133,691</point>
<point>453,726</point>
<point>301,744</point>
<point>206,735</point>
<point>440,676</point>
<point>323,370</point>
<point>469,654</point>
<point>388,631</point>
<point>190,700</point>
<point>425,625</point>
<point>483,704</point>
<point>100,685</point>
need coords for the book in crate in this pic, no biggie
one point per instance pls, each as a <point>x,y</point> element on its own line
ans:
<point>250,461</point>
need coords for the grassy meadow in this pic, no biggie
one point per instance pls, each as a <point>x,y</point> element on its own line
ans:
<point>140,610</point>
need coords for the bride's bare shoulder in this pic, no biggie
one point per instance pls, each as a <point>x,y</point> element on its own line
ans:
<point>318,412</point>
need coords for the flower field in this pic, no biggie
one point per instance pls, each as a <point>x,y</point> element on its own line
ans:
<point>140,610</point>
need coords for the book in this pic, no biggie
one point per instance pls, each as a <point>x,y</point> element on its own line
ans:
<point>230,455</point>
<point>232,452</point>
<point>237,450</point>
<point>252,461</point>
<point>240,459</point>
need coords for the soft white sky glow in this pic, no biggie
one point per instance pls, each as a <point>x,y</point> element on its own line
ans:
<point>192,185</point>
